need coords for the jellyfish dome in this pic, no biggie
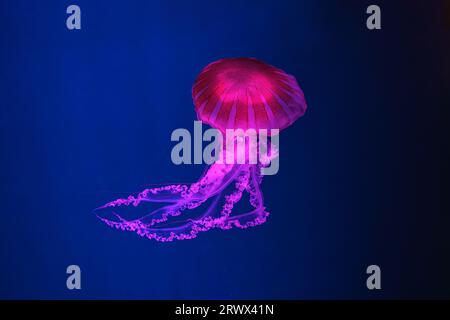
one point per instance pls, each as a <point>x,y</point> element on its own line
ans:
<point>232,93</point>
<point>247,93</point>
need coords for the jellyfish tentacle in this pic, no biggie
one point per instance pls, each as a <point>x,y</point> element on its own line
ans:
<point>152,225</point>
<point>180,200</point>
<point>230,200</point>
<point>187,229</point>
<point>206,221</point>
<point>259,214</point>
<point>159,229</point>
<point>156,224</point>
<point>249,182</point>
<point>210,183</point>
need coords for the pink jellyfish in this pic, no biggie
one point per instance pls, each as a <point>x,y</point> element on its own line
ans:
<point>233,93</point>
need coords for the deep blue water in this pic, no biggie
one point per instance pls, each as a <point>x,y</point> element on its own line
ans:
<point>86,114</point>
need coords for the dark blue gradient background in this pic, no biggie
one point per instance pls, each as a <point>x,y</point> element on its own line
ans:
<point>87,114</point>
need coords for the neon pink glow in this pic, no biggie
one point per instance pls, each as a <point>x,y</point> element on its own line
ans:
<point>235,93</point>
<point>246,93</point>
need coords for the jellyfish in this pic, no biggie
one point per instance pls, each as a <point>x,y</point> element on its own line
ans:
<point>231,93</point>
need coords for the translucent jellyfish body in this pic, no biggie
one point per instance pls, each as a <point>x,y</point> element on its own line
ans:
<point>233,93</point>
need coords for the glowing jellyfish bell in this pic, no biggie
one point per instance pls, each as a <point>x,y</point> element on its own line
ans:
<point>247,93</point>
<point>234,93</point>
